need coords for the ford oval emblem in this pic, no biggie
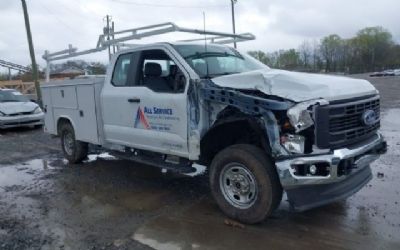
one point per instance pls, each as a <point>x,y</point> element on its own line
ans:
<point>369,117</point>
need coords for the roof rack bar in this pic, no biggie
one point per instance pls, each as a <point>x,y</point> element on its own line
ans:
<point>221,39</point>
<point>139,33</point>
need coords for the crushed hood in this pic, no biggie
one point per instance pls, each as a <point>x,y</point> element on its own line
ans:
<point>9,108</point>
<point>297,86</point>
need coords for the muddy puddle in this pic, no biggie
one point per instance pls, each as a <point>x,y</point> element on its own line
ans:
<point>106,203</point>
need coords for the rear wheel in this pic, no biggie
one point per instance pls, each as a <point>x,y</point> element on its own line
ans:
<point>75,151</point>
<point>244,183</point>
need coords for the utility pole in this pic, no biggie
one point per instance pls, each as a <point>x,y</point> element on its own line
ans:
<point>112,36</point>
<point>233,20</point>
<point>107,28</point>
<point>32,53</point>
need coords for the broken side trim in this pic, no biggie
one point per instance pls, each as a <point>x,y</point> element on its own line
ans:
<point>246,103</point>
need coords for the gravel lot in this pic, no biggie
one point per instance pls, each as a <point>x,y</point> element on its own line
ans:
<point>105,203</point>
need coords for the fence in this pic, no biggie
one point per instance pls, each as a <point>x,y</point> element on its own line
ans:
<point>24,87</point>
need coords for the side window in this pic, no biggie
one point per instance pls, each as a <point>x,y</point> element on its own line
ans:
<point>165,66</point>
<point>121,70</point>
<point>160,73</point>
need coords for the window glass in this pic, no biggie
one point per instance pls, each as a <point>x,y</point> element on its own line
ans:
<point>216,60</point>
<point>121,70</point>
<point>12,96</point>
<point>160,73</point>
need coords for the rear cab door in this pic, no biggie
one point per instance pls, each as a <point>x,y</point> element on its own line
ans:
<point>144,101</point>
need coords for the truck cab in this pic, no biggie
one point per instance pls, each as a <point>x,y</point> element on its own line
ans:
<point>258,131</point>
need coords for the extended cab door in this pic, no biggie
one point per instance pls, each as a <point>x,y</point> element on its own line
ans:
<point>144,103</point>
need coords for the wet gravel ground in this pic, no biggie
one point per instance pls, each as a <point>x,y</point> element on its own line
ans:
<point>105,203</point>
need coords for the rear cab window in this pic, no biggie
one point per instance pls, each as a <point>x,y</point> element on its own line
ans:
<point>121,70</point>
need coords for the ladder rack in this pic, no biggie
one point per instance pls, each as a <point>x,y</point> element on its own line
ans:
<point>139,33</point>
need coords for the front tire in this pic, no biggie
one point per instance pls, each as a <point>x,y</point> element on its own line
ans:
<point>244,183</point>
<point>75,151</point>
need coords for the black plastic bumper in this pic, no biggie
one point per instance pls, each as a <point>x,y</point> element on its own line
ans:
<point>307,197</point>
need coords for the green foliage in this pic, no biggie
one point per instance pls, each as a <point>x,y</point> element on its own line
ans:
<point>372,49</point>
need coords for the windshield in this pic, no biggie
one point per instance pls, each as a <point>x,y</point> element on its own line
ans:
<point>216,60</point>
<point>12,96</point>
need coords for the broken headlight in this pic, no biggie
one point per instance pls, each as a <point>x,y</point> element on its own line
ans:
<point>300,114</point>
<point>300,117</point>
<point>293,143</point>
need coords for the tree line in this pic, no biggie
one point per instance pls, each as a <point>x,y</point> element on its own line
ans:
<point>371,49</point>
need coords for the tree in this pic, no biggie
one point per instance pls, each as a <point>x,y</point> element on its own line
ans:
<point>260,56</point>
<point>330,49</point>
<point>289,59</point>
<point>374,45</point>
<point>97,68</point>
<point>305,52</point>
<point>372,49</point>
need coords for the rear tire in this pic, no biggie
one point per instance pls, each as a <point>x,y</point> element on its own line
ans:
<point>74,151</point>
<point>245,184</point>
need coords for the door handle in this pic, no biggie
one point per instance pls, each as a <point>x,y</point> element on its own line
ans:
<point>134,99</point>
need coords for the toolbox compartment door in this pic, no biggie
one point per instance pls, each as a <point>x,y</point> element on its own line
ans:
<point>64,97</point>
<point>86,114</point>
<point>49,121</point>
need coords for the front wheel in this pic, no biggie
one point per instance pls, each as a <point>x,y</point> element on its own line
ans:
<point>75,151</point>
<point>245,183</point>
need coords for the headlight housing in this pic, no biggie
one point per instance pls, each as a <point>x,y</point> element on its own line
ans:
<point>300,118</point>
<point>293,143</point>
<point>37,110</point>
<point>300,114</point>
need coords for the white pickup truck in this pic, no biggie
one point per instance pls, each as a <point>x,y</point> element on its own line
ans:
<point>259,131</point>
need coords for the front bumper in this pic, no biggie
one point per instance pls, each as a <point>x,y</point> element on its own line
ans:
<point>348,171</point>
<point>21,120</point>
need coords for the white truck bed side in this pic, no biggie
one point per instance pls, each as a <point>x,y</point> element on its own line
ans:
<point>78,101</point>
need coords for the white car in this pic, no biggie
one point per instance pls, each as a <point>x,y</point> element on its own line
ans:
<point>16,110</point>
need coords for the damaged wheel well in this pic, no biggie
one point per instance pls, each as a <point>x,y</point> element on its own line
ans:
<point>232,130</point>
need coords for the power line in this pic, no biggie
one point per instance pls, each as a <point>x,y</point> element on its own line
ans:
<point>170,5</point>
<point>75,12</point>
<point>58,19</point>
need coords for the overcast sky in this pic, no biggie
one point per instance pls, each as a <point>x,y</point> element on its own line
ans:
<point>277,24</point>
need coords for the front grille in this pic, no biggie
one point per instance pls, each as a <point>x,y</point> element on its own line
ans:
<point>21,123</point>
<point>340,123</point>
<point>21,113</point>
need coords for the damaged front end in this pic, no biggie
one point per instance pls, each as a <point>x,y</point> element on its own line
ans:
<point>310,174</point>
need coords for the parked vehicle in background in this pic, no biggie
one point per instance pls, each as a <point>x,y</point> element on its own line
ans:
<point>16,110</point>
<point>376,74</point>
<point>389,72</point>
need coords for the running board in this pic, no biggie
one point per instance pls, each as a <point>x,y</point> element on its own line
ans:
<point>168,162</point>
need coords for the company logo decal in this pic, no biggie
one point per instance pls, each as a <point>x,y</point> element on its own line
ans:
<point>370,117</point>
<point>141,120</point>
